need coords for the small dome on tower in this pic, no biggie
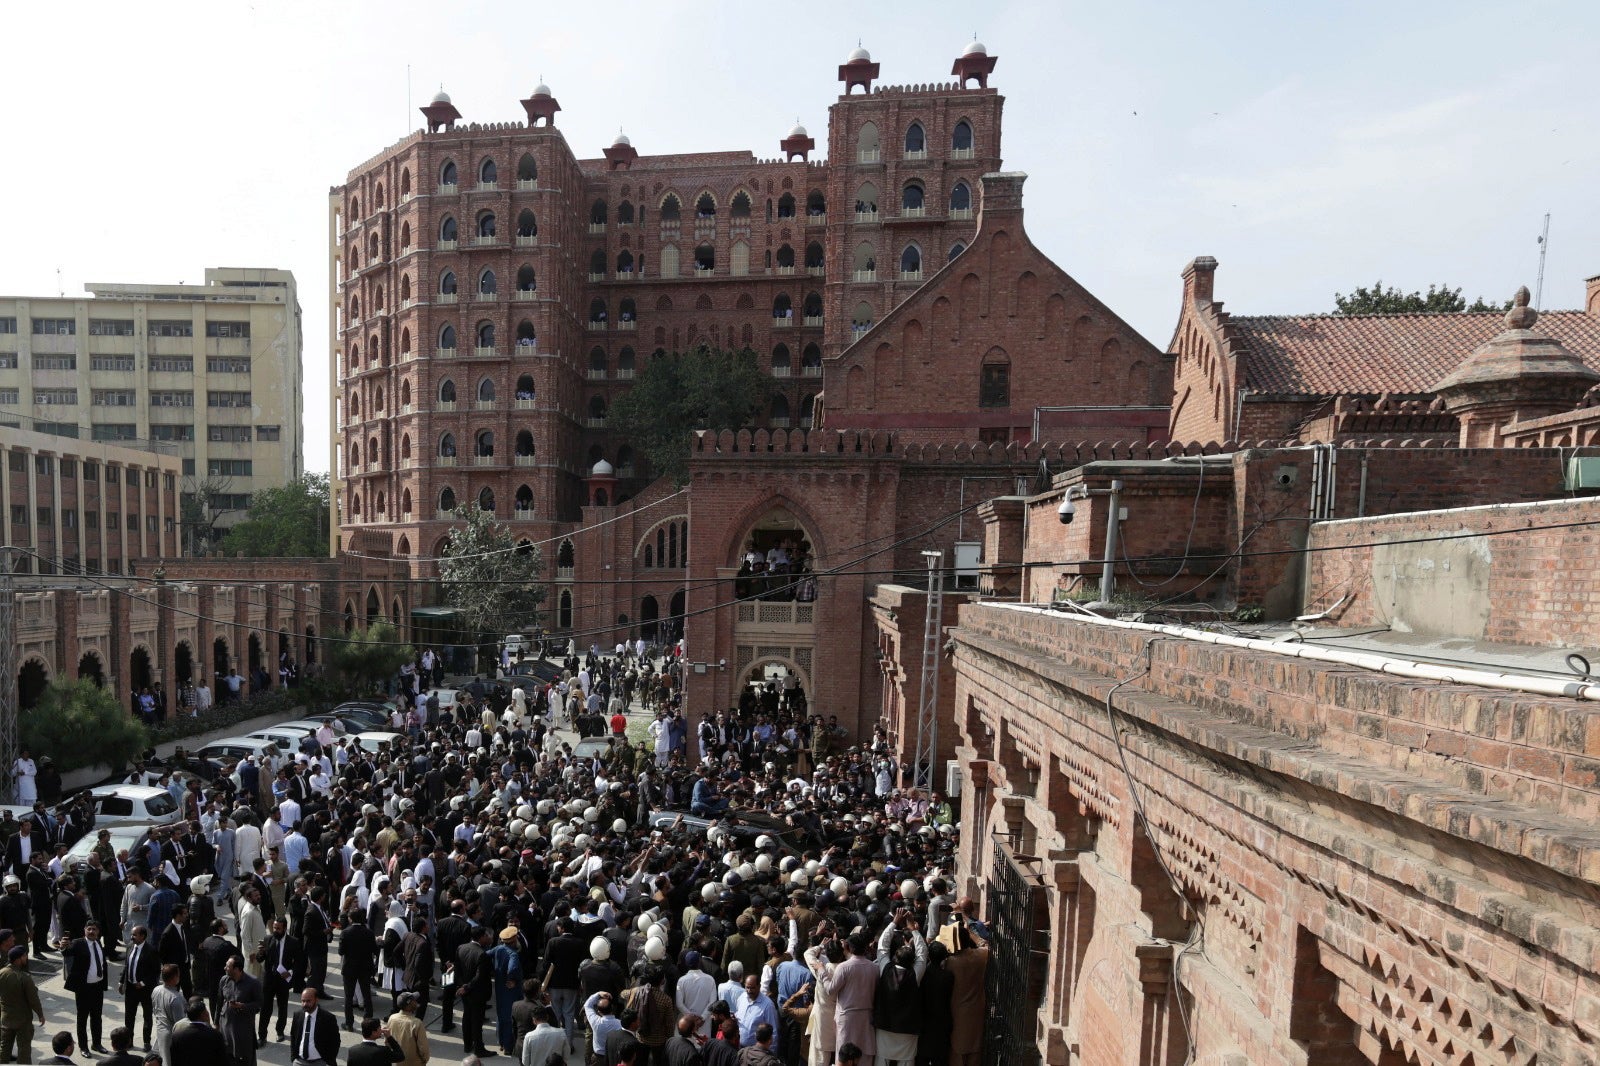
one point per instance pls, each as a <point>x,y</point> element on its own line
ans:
<point>976,48</point>
<point>798,131</point>
<point>859,55</point>
<point>542,90</point>
<point>621,141</point>
<point>441,97</point>
<point>602,469</point>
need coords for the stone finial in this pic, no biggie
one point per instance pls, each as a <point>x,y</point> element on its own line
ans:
<point>1521,316</point>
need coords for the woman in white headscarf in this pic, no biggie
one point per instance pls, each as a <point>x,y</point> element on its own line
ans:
<point>394,934</point>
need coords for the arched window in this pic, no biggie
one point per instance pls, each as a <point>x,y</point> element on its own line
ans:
<point>382,504</point>
<point>911,261</point>
<point>524,444</point>
<point>782,307</point>
<point>355,309</point>
<point>564,611</point>
<point>961,136</point>
<point>866,259</point>
<point>447,283</point>
<point>597,262</point>
<point>377,400</point>
<point>813,305</point>
<point>447,173</point>
<point>486,499</point>
<point>705,258</point>
<point>405,508</point>
<point>808,404</point>
<point>486,390</point>
<point>785,257</point>
<point>671,210</point>
<point>811,357</point>
<point>527,224</point>
<point>527,169</point>
<point>447,446</point>
<point>780,408</point>
<point>525,387</point>
<point>447,391</point>
<point>524,499</point>
<point>956,249</point>
<point>483,443</point>
<point>814,256</point>
<point>355,504</point>
<point>405,392</point>
<point>487,173</point>
<point>526,282</point>
<point>405,182</point>
<point>961,197</point>
<point>597,408</point>
<point>867,201</point>
<point>625,361</point>
<point>447,229</point>
<point>816,204</point>
<point>916,141</point>
<point>627,310</point>
<point>625,213</point>
<point>625,461</point>
<point>705,206</point>
<point>372,248</point>
<point>355,456</point>
<point>525,335</point>
<point>486,224</point>
<point>911,197</point>
<point>597,362</point>
<point>741,205</point>
<point>597,213</point>
<point>405,287</point>
<point>447,337</point>
<point>867,143</point>
<point>597,308</point>
<point>669,260</point>
<point>405,236</point>
<point>405,445</point>
<point>994,383</point>
<point>355,358</point>
<point>861,318</point>
<point>625,262</point>
<point>486,283</point>
<point>786,205</point>
<point>780,358</point>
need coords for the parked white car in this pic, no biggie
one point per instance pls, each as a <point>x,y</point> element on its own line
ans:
<point>229,750</point>
<point>133,805</point>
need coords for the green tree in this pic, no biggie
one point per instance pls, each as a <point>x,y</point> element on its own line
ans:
<point>198,511</point>
<point>367,658</point>
<point>78,724</point>
<point>491,579</point>
<point>288,521</point>
<point>705,388</point>
<point>1391,301</point>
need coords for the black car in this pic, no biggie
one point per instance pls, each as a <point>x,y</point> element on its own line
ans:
<point>535,669</point>
<point>743,826</point>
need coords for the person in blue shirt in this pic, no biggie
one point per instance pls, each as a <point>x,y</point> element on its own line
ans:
<point>704,802</point>
<point>755,1008</point>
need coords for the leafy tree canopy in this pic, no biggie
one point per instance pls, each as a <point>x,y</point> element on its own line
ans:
<point>488,577</point>
<point>705,388</point>
<point>1391,301</point>
<point>79,724</point>
<point>367,658</point>
<point>288,521</point>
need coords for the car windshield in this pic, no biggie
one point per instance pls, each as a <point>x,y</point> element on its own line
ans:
<point>160,805</point>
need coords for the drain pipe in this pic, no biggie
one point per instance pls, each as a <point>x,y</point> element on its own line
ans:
<point>1108,569</point>
<point>1383,664</point>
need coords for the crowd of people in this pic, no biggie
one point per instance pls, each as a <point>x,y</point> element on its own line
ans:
<point>771,899</point>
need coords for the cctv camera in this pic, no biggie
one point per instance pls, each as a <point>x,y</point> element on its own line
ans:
<point>1066,510</point>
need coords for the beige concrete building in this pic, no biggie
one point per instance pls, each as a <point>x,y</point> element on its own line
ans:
<point>211,372</point>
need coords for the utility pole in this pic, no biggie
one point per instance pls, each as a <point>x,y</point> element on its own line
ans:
<point>927,753</point>
<point>1544,249</point>
<point>8,668</point>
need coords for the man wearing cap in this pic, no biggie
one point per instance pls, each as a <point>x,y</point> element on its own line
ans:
<point>19,1005</point>
<point>697,990</point>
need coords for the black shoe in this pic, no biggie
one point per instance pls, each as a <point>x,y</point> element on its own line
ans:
<point>448,1027</point>
<point>99,1049</point>
<point>349,1028</point>
<point>281,1036</point>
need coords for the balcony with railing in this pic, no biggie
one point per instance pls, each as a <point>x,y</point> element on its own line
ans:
<point>866,216</point>
<point>445,407</point>
<point>811,370</point>
<point>781,371</point>
<point>484,405</point>
<point>781,322</point>
<point>522,514</point>
<point>526,240</point>
<point>446,246</point>
<point>444,516</point>
<point>963,153</point>
<point>525,460</point>
<point>814,271</point>
<point>483,460</point>
<point>625,375</point>
<point>494,186</point>
<point>961,213</point>
<point>917,155</point>
<point>447,190</point>
<point>623,275</point>
<point>485,240</point>
<point>626,323</point>
<point>817,220</point>
<point>444,353</point>
<point>863,275</point>
<point>486,297</point>
<point>784,271</point>
<point>595,374</point>
<point>595,423</point>
<point>703,271</point>
<point>527,184</point>
<point>564,573</point>
<point>444,460</point>
<point>597,227</point>
<point>868,155</point>
<point>524,404</point>
<point>780,423</point>
<point>447,298</point>
<point>525,296</point>
<point>772,617</point>
<point>597,276</point>
<point>913,212</point>
<point>485,353</point>
<point>911,275</point>
<point>811,321</point>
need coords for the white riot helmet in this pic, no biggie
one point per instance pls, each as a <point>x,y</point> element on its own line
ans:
<point>619,826</point>
<point>644,922</point>
<point>763,842</point>
<point>909,889</point>
<point>655,949</point>
<point>708,893</point>
<point>763,864</point>
<point>599,949</point>
<point>840,886</point>
<point>591,814</point>
<point>874,889</point>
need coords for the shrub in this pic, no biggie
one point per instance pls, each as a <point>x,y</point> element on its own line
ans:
<point>79,724</point>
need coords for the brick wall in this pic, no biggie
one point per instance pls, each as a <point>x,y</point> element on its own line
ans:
<point>1361,850</point>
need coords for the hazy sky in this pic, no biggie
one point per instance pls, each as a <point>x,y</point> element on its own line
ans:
<point>1309,147</point>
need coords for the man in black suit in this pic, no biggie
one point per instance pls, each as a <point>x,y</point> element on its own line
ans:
<point>87,979</point>
<point>240,999</point>
<point>121,1049</point>
<point>358,952</point>
<point>370,1052</point>
<point>197,1044</point>
<point>140,975</point>
<point>475,980</point>
<point>176,949</point>
<point>21,846</point>
<point>63,1047</point>
<point>417,952</point>
<point>282,968</point>
<point>314,932</point>
<point>36,880</point>
<point>451,933</point>
<point>314,1034</point>
<point>210,967</point>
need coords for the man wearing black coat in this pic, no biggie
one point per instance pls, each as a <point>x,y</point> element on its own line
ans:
<point>197,1043</point>
<point>417,952</point>
<point>475,981</point>
<point>22,846</point>
<point>282,968</point>
<point>141,973</point>
<point>176,949</point>
<point>314,933</point>
<point>377,1048</point>
<point>210,964</point>
<point>451,933</point>
<point>86,979</point>
<point>358,954</point>
<point>313,1035</point>
<point>37,882</point>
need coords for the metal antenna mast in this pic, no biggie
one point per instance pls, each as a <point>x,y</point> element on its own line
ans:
<point>928,700</point>
<point>1544,249</point>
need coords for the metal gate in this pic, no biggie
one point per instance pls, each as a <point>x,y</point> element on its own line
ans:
<point>1019,920</point>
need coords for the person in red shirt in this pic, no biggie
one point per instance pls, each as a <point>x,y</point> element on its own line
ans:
<point>619,724</point>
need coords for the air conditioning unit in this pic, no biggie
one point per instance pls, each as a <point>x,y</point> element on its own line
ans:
<point>968,555</point>
<point>952,779</point>
<point>1583,474</point>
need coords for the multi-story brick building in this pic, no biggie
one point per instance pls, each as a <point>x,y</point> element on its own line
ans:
<point>496,292</point>
<point>210,373</point>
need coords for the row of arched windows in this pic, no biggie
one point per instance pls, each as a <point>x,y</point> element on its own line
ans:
<point>488,172</point>
<point>915,141</point>
<point>913,198</point>
<point>484,225</point>
<point>521,501</point>
<point>670,208</point>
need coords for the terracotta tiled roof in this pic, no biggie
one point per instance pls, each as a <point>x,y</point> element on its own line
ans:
<point>1330,354</point>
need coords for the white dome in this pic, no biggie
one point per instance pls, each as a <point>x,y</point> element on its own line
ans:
<point>859,54</point>
<point>441,97</point>
<point>601,469</point>
<point>541,89</point>
<point>621,141</point>
<point>798,131</point>
<point>976,48</point>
